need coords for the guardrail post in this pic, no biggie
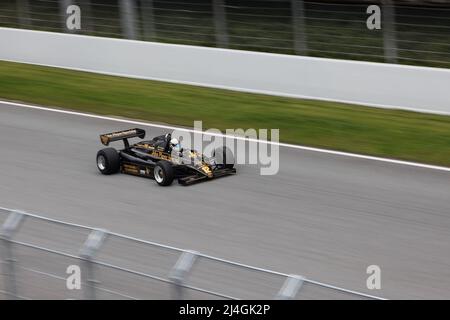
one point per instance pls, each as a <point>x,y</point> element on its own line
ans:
<point>290,287</point>
<point>299,29</point>
<point>87,253</point>
<point>8,229</point>
<point>148,19</point>
<point>220,23</point>
<point>87,21</point>
<point>128,18</point>
<point>23,11</point>
<point>389,35</point>
<point>180,271</point>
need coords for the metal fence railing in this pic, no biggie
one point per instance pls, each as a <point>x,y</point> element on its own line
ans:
<point>411,32</point>
<point>35,253</point>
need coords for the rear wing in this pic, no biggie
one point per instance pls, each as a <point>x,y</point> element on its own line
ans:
<point>122,135</point>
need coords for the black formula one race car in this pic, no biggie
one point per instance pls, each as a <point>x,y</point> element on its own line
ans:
<point>156,159</point>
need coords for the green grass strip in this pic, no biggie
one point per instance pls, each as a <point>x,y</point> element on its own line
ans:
<point>379,132</point>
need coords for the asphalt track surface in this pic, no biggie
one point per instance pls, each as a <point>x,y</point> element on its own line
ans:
<point>326,217</point>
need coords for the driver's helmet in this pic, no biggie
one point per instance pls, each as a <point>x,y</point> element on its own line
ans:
<point>175,144</point>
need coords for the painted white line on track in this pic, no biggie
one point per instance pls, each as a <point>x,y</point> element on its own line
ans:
<point>287,145</point>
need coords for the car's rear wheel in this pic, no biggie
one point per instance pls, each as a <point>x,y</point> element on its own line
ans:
<point>163,173</point>
<point>108,161</point>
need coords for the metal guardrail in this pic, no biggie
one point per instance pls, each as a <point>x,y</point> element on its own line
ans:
<point>36,251</point>
<point>411,33</point>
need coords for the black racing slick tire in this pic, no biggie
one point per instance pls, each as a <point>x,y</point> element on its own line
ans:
<point>108,161</point>
<point>224,156</point>
<point>163,173</point>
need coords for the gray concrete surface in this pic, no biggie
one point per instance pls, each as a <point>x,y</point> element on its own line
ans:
<point>323,216</point>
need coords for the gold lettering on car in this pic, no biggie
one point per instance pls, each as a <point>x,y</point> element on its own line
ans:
<point>130,169</point>
<point>207,170</point>
<point>160,155</point>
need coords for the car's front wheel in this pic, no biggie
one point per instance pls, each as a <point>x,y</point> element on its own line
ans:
<point>108,161</point>
<point>224,157</point>
<point>163,173</point>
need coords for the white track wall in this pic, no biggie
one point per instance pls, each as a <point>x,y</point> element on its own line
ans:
<point>372,84</point>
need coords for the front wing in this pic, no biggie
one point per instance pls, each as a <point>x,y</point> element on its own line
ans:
<point>188,180</point>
